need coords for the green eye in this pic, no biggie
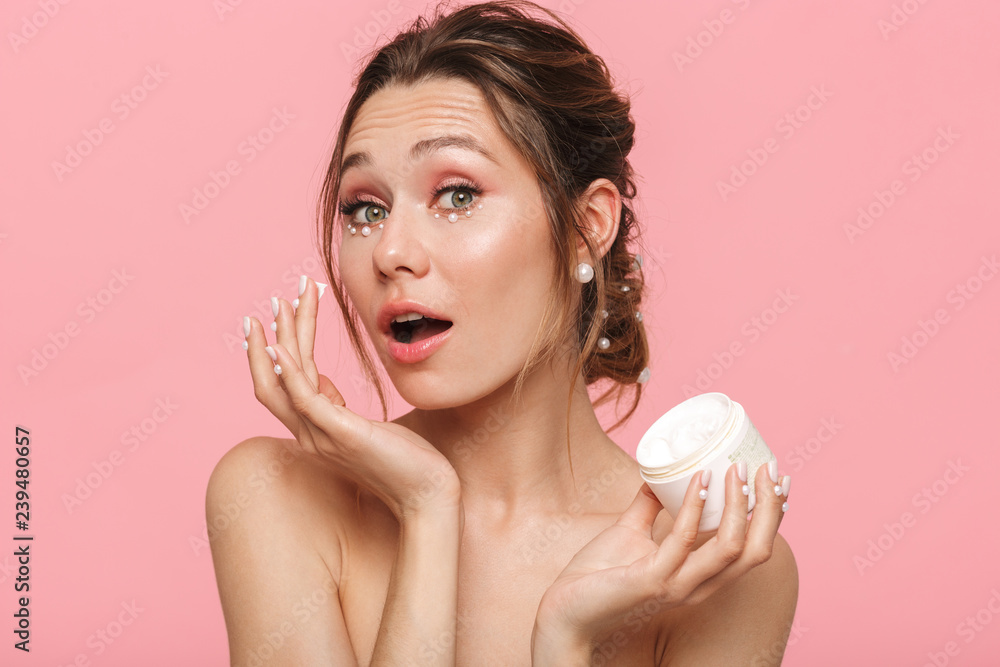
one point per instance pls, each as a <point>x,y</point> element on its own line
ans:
<point>456,198</point>
<point>371,213</point>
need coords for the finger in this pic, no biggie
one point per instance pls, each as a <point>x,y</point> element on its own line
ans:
<point>761,532</point>
<point>729,541</point>
<point>266,385</point>
<point>328,389</point>
<point>677,544</point>
<point>642,512</point>
<point>305,326</point>
<point>767,514</point>
<point>338,423</point>
<point>285,321</point>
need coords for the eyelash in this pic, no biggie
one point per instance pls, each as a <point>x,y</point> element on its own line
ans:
<point>349,207</point>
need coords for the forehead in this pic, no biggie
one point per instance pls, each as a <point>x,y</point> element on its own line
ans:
<point>400,114</point>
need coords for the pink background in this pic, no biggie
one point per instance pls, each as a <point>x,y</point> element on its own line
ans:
<point>861,434</point>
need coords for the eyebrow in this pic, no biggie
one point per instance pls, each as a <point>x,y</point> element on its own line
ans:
<point>423,148</point>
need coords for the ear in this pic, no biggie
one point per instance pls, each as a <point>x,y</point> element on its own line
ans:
<point>601,207</point>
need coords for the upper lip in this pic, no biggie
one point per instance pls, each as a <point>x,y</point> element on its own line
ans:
<point>396,308</point>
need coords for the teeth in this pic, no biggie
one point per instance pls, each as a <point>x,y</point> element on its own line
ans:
<point>407,317</point>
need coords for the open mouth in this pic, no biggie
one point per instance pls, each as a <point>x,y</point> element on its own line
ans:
<point>414,327</point>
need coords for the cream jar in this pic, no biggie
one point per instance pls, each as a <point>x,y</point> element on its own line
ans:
<point>707,431</point>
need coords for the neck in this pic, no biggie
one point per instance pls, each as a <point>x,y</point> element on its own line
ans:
<point>512,455</point>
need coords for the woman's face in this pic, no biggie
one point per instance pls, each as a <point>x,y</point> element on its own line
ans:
<point>474,289</point>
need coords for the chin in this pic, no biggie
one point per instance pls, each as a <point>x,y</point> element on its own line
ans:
<point>430,390</point>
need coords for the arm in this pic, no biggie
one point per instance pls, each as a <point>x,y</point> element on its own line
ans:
<point>280,596</point>
<point>624,568</point>
<point>748,622</point>
<point>414,480</point>
<point>421,606</point>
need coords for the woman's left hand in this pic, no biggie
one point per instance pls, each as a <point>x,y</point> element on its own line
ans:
<point>621,570</point>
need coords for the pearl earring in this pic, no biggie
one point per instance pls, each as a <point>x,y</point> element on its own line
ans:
<point>584,272</point>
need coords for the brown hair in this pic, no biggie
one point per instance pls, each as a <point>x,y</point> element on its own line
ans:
<point>555,102</point>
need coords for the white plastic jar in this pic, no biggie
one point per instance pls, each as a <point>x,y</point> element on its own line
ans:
<point>707,431</point>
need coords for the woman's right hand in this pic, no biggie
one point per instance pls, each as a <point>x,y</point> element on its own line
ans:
<point>408,473</point>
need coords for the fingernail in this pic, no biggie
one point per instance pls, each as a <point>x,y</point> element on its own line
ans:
<point>784,506</point>
<point>786,484</point>
<point>277,369</point>
<point>295,303</point>
<point>321,286</point>
<point>706,475</point>
<point>302,284</point>
<point>753,501</point>
<point>746,489</point>
<point>772,470</point>
<point>274,305</point>
<point>271,353</point>
<point>246,326</point>
<point>741,470</point>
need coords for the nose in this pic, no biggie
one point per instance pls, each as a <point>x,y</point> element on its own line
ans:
<point>400,250</point>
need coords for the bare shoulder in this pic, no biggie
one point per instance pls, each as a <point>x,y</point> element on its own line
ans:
<point>275,527</point>
<point>747,622</point>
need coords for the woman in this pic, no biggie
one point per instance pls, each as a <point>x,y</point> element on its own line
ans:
<point>479,197</point>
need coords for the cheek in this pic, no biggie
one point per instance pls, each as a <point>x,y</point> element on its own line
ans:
<point>355,274</point>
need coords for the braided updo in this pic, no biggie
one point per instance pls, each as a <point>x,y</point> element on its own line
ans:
<point>555,101</point>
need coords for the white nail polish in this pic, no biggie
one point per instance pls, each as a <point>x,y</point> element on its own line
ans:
<point>746,489</point>
<point>786,484</point>
<point>246,326</point>
<point>321,286</point>
<point>772,471</point>
<point>274,305</point>
<point>277,369</point>
<point>274,326</point>
<point>303,281</point>
<point>295,303</point>
<point>750,505</point>
<point>246,346</point>
<point>271,353</point>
